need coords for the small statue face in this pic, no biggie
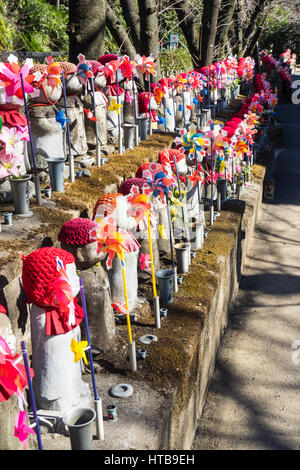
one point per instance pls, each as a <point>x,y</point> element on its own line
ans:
<point>153,104</point>
<point>100,81</point>
<point>53,94</point>
<point>182,167</point>
<point>73,278</point>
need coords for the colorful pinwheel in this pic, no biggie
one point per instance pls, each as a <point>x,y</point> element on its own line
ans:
<point>22,430</point>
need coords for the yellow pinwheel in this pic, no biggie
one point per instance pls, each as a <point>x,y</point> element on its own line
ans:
<point>78,350</point>
<point>114,106</point>
<point>162,232</point>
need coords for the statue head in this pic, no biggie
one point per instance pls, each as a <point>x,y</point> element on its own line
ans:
<point>77,237</point>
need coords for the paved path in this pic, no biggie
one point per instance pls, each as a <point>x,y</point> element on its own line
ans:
<point>254,398</point>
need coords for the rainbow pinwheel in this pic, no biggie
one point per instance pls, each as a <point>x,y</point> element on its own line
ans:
<point>78,349</point>
<point>140,204</point>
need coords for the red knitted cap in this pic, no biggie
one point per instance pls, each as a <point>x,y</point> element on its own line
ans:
<point>40,272</point>
<point>127,185</point>
<point>96,66</point>
<point>68,68</point>
<point>108,201</point>
<point>104,59</point>
<point>77,232</point>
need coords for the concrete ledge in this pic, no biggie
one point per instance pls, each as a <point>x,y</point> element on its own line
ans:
<point>170,385</point>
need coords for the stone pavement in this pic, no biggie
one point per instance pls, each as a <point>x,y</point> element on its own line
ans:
<point>253,401</point>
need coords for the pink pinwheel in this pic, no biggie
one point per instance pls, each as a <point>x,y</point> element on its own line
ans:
<point>9,164</point>
<point>129,98</point>
<point>145,261</point>
<point>22,430</point>
<point>2,309</point>
<point>146,65</point>
<point>10,79</point>
<point>12,139</point>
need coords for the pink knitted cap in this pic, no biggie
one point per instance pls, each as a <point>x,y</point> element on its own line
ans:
<point>77,232</point>
<point>126,185</point>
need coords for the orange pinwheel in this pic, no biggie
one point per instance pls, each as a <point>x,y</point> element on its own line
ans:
<point>195,177</point>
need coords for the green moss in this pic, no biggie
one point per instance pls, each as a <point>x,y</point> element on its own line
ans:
<point>84,192</point>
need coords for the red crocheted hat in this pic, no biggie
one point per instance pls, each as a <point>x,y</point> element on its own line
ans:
<point>127,185</point>
<point>104,59</point>
<point>147,166</point>
<point>39,68</point>
<point>40,271</point>
<point>39,274</point>
<point>172,154</point>
<point>143,101</point>
<point>68,68</point>
<point>96,67</point>
<point>77,232</point>
<point>109,203</point>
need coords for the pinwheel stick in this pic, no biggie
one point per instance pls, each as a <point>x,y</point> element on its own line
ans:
<point>212,185</point>
<point>71,158</point>
<point>198,186</point>
<point>135,112</point>
<point>36,176</point>
<point>174,108</point>
<point>182,208</point>
<point>98,403</point>
<point>38,433</point>
<point>119,119</point>
<point>171,245</point>
<point>156,299</point>
<point>183,108</point>
<point>150,116</point>
<point>98,153</point>
<point>151,253</point>
<point>132,343</point>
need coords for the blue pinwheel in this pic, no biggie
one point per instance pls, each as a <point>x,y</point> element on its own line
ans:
<point>60,117</point>
<point>161,120</point>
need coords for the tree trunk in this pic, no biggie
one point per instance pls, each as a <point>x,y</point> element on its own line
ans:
<point>119,33</point>
<point>149,30</point>
<point>86,28</point>
<point>131,16</point>
<point>238,46</point>
<point>252,27</point>
<point>209,30</point>
<point>255,37</point>
<point>224,21</point>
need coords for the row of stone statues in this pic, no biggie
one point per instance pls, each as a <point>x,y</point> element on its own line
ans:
<point>117,108</point>
<point>51,283</point>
